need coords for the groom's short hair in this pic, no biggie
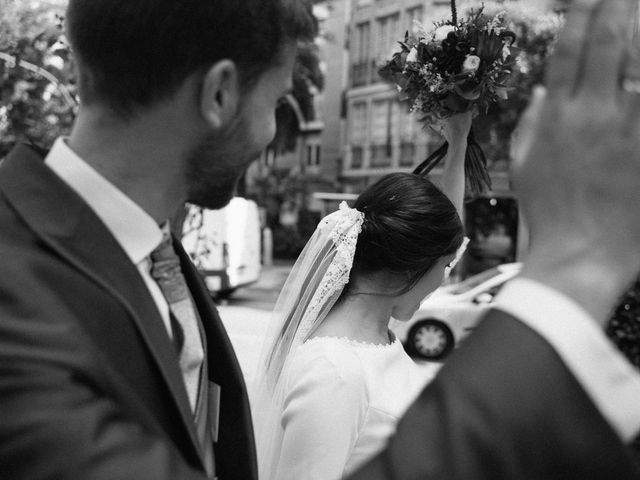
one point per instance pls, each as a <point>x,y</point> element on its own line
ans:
<point>131,53</point>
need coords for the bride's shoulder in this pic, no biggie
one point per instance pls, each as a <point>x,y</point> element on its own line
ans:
<point>331,355</point>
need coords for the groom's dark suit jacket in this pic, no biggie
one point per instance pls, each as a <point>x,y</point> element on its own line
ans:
<point>503,406</point>
<point>90,386</point>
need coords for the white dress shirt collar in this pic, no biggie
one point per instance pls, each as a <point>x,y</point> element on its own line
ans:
<point>136,232</point>
<point>606,375</point>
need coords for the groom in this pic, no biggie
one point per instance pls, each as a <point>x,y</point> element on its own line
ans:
<point>538,392</point>
<point>113,361</point>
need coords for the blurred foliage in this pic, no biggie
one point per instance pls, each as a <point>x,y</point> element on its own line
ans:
<point>37,85</point>
<point>37,109</point>
<point>271,191</point>
<point>536,30</point>
<point>308,82</point>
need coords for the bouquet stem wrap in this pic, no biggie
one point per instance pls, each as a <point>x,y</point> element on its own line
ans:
<point>475,164</point>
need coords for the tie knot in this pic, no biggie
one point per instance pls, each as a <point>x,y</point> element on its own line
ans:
<point>165,270</point>
<point>164,251</point>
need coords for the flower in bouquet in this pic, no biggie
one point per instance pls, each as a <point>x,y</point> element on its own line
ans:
<point>459,66</point>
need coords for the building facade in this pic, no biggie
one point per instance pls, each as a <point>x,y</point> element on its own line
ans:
<point>381,136</point>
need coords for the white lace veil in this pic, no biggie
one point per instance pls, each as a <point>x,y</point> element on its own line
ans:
<point>312,288</point>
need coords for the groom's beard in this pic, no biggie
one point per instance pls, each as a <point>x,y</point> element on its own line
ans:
<point>216,165</point>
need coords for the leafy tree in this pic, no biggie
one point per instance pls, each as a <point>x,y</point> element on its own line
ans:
<point>38,94</point>
<point>308,81</point>
<point>37,85</point>
<point>536,31</point>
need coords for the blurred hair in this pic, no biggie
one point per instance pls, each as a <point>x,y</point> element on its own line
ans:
<point>409,224</point>
<point>132,53</point>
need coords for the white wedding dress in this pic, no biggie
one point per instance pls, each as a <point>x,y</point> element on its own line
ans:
<point>342,400</point>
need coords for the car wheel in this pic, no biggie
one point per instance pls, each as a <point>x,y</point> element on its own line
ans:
<point>430,339</point>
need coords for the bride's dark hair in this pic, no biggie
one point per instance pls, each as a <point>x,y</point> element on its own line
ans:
<point>409,224</point>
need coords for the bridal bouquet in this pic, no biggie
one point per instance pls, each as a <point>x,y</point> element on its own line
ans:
<point>459,66</point>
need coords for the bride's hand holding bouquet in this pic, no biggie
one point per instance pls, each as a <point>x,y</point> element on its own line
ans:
<point>461,66</point>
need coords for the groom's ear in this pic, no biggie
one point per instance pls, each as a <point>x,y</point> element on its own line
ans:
<point>220,93</point>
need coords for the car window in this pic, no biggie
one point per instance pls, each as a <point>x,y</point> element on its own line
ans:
<point>473,281</point>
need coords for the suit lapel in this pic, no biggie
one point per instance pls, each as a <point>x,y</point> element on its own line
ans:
<point>236,438</point>
<point>68,226</point>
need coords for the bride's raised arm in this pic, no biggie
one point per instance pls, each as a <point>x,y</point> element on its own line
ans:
<point>456,129</point>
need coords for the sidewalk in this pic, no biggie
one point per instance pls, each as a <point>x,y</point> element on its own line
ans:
<point>272,278</point>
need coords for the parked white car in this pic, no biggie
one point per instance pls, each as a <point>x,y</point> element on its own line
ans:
<point>448,315</point>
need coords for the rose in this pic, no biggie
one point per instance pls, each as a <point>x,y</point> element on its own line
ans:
<point>471,64</point>
<point>412,56</point>
<point>442,32</point>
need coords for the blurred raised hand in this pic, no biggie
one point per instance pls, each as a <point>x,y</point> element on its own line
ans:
<point>456,128</point>
<point>455,131</point>
<point>577,160</point>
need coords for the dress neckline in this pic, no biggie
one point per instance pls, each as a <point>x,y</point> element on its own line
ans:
<point>393,340</point>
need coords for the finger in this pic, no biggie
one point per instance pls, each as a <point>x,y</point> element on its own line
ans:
<point>524,134</point>
<point>607,48</point>
<point>563,71</point>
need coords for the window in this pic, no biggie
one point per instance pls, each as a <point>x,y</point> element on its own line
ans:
<point>361,42</point>
<point>386,36</point>
<point>380,156</point>
<point>313,155</point>
<point>407,154</point>
<point>359,123</point>
<point>380,121</point>
<point>357,154</point>
<point>358,127</point>
<point>361,55</point>
<point>384,120</point>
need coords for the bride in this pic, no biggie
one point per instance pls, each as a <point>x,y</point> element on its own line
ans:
<point>333,380</point>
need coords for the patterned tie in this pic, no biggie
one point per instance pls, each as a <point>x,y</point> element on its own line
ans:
<point>166,272</point>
